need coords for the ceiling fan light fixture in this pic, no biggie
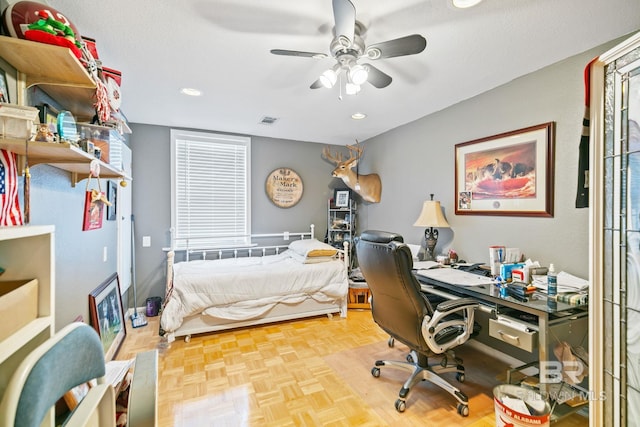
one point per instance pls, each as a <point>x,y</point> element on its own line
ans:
<point>329,78</point>
<point>463,4</point>
<point>358,74</point>
<point>351,88</point>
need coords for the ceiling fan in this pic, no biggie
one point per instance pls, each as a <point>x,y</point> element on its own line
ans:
<point>348,48</point>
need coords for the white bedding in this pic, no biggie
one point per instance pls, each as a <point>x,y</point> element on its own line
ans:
<point>244,288</point>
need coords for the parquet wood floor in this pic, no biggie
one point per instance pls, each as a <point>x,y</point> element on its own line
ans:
<point>311,372</point>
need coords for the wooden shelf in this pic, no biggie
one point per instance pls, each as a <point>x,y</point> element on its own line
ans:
<point>63,156</point>
<point>55,70</point>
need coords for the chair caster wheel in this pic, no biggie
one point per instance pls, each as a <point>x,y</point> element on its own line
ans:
<point>462,410</point>
<point>460,377</point>
<point>375,372</point>
<point>391,341</point>
<point>410,358</point>
<point>401,405</point>
<point>187,338</point>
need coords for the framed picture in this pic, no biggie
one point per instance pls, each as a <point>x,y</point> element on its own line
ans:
<point>4,87</point>
<point>107,315</point>
<point>112,194</point>
<point>510,174</point>
<point>341,198</point>
<point>49,116</point>
<point>93,211</point>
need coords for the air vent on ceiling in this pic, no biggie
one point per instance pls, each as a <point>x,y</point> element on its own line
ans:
<point>266,120</point>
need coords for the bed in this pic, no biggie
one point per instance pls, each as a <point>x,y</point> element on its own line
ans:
<point>251,286</point>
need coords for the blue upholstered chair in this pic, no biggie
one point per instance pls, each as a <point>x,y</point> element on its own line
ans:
<point>73,356</point>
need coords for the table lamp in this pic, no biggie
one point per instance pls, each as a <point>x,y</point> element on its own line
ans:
<point>431,217</point>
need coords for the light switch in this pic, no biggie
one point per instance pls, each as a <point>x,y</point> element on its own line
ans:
<point>146,241</point>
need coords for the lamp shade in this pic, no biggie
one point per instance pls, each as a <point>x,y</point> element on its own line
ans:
<point>431,215</point>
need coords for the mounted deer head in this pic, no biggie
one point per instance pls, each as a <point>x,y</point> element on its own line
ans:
<point>368,187</point>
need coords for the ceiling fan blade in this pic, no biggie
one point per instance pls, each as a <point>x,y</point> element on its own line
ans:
<point>344,13</point>
<point>316,85</point>
<point>377,78</point>
<point>408,45</point>
<point>298,53</point>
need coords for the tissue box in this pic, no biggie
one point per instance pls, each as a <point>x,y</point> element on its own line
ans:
<point>18,305</point>
<point>507,269</point>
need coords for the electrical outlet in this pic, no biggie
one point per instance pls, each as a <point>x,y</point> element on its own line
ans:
<point>286,235</point>
<point>146,241</point>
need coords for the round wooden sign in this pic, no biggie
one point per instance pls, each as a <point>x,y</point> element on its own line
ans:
<point>284,187</point>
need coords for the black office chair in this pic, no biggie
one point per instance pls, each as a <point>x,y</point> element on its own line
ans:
<point>400,308</point>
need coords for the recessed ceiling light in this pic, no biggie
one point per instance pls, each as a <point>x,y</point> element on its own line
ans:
<point>463,4</point>
<point>358,116</point>
<point>190,91</point>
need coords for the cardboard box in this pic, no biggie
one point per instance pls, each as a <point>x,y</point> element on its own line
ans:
<point>18,305</point>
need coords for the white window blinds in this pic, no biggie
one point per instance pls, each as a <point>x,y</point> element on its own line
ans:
<point>210,191</point>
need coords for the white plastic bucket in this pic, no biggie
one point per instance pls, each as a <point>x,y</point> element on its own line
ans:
<point>520,407</point>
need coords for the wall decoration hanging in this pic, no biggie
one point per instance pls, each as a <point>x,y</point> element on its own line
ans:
<point>510,174</point>
<point>112,192</point>
<point>284,187</point>
<point>94,201</point>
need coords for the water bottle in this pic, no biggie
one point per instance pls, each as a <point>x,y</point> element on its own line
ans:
<point>552,281</point>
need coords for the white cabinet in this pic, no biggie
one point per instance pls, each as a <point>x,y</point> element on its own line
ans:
<point>27,253</point>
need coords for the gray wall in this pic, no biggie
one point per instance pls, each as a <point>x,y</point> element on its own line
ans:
<point>152,199</point>
<point>418,158</point>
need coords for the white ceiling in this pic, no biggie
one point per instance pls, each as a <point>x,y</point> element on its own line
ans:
<point>222,48</point>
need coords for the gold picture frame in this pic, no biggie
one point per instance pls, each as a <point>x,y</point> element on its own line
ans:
<point>509,174</point>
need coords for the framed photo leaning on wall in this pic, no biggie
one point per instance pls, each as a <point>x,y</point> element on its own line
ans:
<point>107,315</point>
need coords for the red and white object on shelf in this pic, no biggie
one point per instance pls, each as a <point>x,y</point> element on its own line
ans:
<point>18,17</point>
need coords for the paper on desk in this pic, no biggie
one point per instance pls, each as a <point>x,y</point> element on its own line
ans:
<point>425,265</point>
<point>454,276</point>
<point>116,370</point>
<point>566,283</point>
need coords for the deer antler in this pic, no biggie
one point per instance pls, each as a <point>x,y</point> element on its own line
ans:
<point>326,152</point>
<point>355,149</point>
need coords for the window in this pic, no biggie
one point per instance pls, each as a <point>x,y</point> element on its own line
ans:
<point>210,190</point>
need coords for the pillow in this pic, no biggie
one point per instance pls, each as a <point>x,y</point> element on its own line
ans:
<point>309,260</point>
<point>309,248</point>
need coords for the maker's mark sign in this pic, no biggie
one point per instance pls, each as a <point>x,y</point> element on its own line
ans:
<point>284,187</point>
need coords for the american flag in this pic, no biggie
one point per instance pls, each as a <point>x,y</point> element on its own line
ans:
<point>10,213</point>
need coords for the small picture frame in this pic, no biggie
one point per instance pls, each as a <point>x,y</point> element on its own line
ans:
<point>49,116</point>
<point>107,315</point>
<point>4,87</point>
<point>341,198</point>
<point>112,196</point>
<point>93,212</point>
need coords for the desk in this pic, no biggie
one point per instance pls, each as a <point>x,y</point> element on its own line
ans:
<point>545,313</point>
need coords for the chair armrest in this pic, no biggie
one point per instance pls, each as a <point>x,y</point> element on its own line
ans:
<point>462,310</point>
<point>456,304</point>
